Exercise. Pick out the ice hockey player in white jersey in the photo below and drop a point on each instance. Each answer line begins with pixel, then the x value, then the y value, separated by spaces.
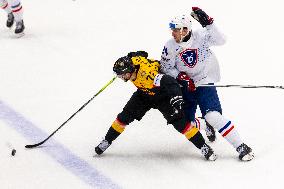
pixel 14 11
pixel 188 58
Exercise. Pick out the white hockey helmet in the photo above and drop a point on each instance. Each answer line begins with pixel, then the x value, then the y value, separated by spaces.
pixel 180 22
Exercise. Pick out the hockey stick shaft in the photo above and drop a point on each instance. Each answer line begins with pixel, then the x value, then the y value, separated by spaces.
pixel 40 143
pixel 245 86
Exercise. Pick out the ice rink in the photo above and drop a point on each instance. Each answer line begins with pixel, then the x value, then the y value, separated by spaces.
pixel 67 56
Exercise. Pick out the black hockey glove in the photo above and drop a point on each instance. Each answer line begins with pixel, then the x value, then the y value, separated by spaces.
pixel 177 104
pixel 199 15
pixel 186 81
pixel 138 53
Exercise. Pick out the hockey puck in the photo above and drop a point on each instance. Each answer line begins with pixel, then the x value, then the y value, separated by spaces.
pixel 13 152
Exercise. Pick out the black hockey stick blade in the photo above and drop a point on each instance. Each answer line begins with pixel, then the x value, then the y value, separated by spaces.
pixel 40 143
pixel 34 145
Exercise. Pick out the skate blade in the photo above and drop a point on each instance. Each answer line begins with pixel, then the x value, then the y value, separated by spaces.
pixel 248 157
pixel 211 139
pixel 19 35
pixel 213 157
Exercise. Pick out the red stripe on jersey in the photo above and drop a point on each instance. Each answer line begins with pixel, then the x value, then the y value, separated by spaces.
pixel 227 132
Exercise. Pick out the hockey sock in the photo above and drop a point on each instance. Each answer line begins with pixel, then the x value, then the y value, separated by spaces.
pixel 17 10
pixel 197 140
pixel 114 131
pixel 224 127
pixel 5 6
pixel 199 124
pixel 193 135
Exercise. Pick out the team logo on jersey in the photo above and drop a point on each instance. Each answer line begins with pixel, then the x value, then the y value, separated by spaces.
pixel 189 57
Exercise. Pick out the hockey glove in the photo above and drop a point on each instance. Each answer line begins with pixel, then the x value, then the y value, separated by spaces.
pixel 185 81
pixel 138 53
pixel 199 15
pixel 177 104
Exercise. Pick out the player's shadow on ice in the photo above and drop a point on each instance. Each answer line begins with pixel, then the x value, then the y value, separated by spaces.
pixel 165 157
pixel 152 156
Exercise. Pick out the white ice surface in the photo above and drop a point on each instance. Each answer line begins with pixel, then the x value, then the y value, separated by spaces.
pixel 67 55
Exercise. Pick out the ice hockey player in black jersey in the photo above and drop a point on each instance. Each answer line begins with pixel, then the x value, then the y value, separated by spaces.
pixel 154 90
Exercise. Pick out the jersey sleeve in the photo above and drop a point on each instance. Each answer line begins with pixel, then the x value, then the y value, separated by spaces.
pixel 213 36
pixel 168 61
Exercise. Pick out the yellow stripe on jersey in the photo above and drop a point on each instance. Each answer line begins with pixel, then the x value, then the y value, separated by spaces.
pixel 189 134
pixel 148 69
pixel 119 127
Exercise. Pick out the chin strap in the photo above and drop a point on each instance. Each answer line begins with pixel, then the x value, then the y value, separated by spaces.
pixel 186 37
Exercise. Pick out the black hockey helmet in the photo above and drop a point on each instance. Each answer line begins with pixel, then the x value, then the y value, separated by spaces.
pixel 123 65
pixel 138 53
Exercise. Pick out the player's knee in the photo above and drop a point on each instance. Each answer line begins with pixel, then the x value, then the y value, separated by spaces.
pixel 179 124
pixel 125 117
pixel 215 119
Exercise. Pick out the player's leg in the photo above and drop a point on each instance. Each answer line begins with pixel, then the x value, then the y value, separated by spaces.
pixel 188 130
pixel 190 112
pixel 134 109
pixel 5 6
pixel 17 10
pixel 210 107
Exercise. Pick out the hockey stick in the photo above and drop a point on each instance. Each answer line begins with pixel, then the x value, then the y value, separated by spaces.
pixel 244 86
pixel 40 143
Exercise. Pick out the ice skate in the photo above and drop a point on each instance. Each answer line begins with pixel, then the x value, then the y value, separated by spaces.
pixel 208 153
pixel 210 132
pixel 10 20
pixel 20 27
pixel 102 147
pixel 245 152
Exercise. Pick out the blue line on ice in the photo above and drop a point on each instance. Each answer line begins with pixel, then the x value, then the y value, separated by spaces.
pixel 58 152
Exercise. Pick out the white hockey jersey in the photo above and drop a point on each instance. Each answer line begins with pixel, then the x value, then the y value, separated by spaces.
pixel 194 56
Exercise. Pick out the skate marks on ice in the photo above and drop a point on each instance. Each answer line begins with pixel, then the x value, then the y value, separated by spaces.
pixel 77 166
pixel 9 33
